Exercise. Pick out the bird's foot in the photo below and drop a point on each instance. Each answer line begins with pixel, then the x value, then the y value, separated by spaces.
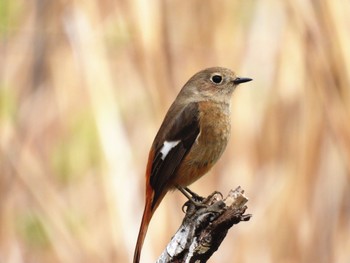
pixel 192 197
pixel 198 201
pixel 213 195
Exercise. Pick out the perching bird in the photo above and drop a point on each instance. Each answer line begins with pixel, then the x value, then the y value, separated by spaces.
pixel 192 137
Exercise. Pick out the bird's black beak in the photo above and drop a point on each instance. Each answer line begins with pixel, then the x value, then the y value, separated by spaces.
pixel 241 80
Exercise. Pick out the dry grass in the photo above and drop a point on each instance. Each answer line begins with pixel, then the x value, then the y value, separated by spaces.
pixel 84 86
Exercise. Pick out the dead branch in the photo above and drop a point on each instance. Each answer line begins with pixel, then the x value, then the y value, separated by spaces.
pixel 205 227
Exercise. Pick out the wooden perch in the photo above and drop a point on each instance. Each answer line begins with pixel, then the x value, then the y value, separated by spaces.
pixel 204 228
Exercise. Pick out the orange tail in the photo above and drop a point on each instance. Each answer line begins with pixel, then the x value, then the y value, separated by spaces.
pixel 146 218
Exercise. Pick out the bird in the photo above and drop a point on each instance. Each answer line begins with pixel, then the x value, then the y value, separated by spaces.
pixel 191 138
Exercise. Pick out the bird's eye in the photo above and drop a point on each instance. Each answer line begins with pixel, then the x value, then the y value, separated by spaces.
pixel 217 79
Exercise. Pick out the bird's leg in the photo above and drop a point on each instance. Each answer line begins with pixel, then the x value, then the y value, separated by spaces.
pixel 198 197
pixel 199 201
pixel 191 196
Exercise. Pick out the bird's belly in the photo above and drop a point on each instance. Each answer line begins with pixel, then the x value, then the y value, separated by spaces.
pixel 207 149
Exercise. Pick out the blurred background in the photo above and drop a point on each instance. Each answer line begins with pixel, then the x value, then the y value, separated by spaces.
pixel 84 86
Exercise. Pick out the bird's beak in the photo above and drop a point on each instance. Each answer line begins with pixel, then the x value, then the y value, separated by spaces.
pixel 241 80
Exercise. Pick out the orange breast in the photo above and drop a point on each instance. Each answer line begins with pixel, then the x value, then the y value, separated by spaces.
pixel 210 144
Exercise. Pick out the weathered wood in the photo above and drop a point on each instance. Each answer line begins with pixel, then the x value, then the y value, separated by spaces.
pixel 205 227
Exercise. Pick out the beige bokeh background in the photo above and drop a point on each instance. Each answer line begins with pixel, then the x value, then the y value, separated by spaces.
pixel 84 86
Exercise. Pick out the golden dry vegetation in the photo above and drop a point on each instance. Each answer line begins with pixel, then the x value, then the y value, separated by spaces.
pixel 84 86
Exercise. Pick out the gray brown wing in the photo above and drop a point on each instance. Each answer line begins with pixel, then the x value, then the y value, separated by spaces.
pixel 184 130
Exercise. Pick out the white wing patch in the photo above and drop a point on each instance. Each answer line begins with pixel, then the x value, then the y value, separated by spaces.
pixel 167 146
